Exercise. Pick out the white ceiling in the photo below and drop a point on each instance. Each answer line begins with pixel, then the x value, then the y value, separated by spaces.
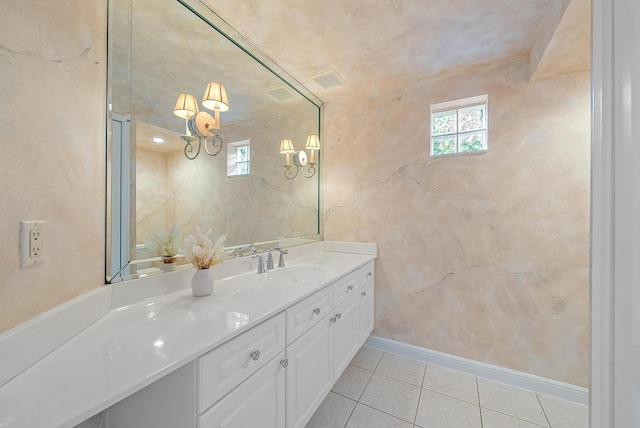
pixel 375 43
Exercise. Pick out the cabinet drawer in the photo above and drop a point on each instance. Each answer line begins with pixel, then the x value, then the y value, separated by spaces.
pixel 222 369
pixel 366 273
pixel 345 288
pixel 258 402
pixel 306 313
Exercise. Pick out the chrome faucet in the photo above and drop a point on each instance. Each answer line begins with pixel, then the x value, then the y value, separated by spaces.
pixel 280 261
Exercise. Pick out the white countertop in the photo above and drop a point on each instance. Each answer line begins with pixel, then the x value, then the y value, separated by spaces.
pixel 131 347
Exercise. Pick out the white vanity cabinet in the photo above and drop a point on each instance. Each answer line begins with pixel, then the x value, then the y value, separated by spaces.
pixel 366 293
pixel 321 342
pixel 274 375
pixel 310 374
pixel 346 333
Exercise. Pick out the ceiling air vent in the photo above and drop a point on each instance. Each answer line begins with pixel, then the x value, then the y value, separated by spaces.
pixel 329 79
pixel 281 93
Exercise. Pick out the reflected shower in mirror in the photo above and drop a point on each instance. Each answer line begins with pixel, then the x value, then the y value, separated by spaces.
pixel 160 52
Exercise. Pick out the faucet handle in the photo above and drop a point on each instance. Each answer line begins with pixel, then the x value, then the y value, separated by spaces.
pixel 281 259
pixel 260 262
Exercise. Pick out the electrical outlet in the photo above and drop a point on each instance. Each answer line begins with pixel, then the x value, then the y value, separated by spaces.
pixel 32 249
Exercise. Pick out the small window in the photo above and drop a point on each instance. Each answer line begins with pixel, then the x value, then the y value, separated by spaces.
pixel 239 158
pixel 459 126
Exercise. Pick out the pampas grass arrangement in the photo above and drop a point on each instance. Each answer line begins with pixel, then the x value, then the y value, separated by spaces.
pixel 201 251
pixel 165 244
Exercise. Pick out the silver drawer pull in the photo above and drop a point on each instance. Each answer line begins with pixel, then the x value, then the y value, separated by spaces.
pixel 284 363
pixel 316 311
pixel 369 274
pixel 255 355
pixel 364 293
pixel 349 288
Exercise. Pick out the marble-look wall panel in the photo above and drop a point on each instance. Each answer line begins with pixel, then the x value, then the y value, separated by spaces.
pixel 52 168
pixel 482 256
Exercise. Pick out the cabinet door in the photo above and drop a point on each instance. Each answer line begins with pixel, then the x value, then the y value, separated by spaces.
pixel 258 402
pixel 366 311
pixel 346 334
pixel 309 373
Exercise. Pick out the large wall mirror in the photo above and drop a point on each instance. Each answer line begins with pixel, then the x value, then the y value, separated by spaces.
pixel 159 49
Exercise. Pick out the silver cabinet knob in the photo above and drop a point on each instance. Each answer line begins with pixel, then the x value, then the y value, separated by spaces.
pixel 364 293
pixel 349 288
pixel 339 315
pixel 316 311
pixel 369 274
pixel 255 355
pixel 333 319
pixel 284 363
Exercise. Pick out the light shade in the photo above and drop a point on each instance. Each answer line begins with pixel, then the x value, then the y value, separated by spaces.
pixel 313 142
pixel 286 146
pixel 215 97
pixel 186 106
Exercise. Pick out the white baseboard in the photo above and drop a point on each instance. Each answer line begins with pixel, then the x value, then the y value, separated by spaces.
pixel 539 384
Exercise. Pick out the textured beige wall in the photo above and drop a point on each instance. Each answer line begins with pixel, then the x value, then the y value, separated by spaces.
pixel 481 256
pixel 52 168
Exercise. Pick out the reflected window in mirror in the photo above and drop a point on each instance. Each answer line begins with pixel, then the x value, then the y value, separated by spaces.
pixel 239 158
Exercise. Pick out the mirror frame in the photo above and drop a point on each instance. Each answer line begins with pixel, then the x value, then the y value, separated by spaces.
pixel 119 234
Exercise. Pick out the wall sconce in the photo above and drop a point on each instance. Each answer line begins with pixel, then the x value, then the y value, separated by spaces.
pixel 299 159
pixel 200 125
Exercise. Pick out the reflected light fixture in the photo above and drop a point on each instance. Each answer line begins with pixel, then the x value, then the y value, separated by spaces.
pixel 299 159
pixel 200 126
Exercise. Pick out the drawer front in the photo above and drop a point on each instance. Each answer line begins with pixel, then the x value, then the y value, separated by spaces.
pixel 224 368
pixel 306 313
pixel 366 273
pixel 258 402
pixel 345 288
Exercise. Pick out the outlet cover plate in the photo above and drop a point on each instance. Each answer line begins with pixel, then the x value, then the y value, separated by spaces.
pixel 32 241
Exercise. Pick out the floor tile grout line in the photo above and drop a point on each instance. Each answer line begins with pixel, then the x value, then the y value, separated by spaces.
pixel 424 374
pixel 516 417
pixel 544 412
pixel 365 387
pixel 415 416
pixel 350 414
pixel 386 413
pixel 399 380
pixel 451 396
pixel 479 404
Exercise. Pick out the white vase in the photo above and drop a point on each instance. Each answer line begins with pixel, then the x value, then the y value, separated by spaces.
pixel 202 282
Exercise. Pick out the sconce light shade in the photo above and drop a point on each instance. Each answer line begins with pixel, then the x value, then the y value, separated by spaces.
pixel 313 142
pixel 286 146
pixel 215 97
pixel 186 106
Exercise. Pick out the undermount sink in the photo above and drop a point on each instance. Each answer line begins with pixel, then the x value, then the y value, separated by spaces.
pixel 295 274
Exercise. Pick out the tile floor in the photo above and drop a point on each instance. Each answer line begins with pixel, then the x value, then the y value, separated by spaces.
pixel 384 390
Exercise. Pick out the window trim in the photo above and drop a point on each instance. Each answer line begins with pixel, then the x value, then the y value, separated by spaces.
pixel 231 157
pixel 458 105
